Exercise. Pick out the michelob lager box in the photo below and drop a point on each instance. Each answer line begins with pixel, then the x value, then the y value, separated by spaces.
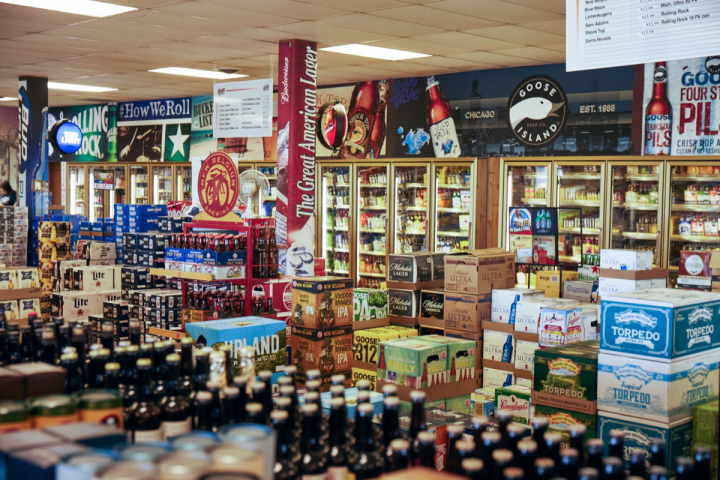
pixel 560 325
pixel 322 302
pixel 504 303
pixel 566 377
pixel 560 421
pixel 640 432
pixel 412 362
pixel 432 304
pixel 652 390
pixel 328 350
pixel 499 346
pixel 369 304
pixel 460 357
pixel 663 324
pixel 410 267
pixel 404 303
pixel 28 278
pixel 626 259
pixel 267 337
pixel 515 399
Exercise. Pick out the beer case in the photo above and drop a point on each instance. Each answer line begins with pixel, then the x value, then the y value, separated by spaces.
pixel 366 342
pixel 517 400
pixel 108 296
pixel 27 305
pixel 11 309
pixel 499 347
pixel 477 338
pixel 74 304
pixel 626 259
pixel 466 312
pixel 135 276
pixel 402 330
pixel 404 303
pixel 567 377
pixel 322 302
pixel 99 251
pixel 138 211
pixel 560 421
pixel 328 350
pixel 164 299
pixel 478 272
pixel 459 404
pixel 410 267
pixel 369 304
pixel 432 304
pixel 524 354
pixel 28 278
pixel 412 362
pixel 95 279
pixel 8 280
pixel 482 402
pixel 360 374
pixel 560 325
pixel 130 241
pixel 460 356
pixel 504 303
pixel 705 423
pixel 116 310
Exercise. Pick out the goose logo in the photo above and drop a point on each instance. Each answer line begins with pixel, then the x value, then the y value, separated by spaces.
pixel 660 75
pixel 537 110
pixel 712 64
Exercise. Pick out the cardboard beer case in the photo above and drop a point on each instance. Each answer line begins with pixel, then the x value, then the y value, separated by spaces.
pixel 566 377
pixel 504 302
pixel 478 272
pixel 369 304
pixel 328 350
pixel 560 421
pixel 466 312
pixel 322 302
pixel 460 356
pixel 412 362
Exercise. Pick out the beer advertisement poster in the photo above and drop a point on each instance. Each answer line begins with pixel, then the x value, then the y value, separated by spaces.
pixel 520 221
pixel 93 121
pixel 680 107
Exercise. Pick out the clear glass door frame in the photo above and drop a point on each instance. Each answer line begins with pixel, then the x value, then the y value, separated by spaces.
pixel 355 215
pixel 393 192
pixel 321 219
pixel 557 164
pixel 70 193
pixel 473 202
pixel 178 179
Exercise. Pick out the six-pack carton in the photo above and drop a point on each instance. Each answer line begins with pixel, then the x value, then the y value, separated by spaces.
pixel 504 303
pixel 322 302
pixel 566 377
pixel 328 350
pixel 560 325
pixel 516 399
pixel 460 357
pixel 369 304
pixel 412 362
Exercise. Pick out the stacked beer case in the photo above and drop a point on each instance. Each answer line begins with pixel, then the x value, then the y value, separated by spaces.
pixel 410 274
pixel 624 271
pixel 134 219
pixel 705 431
pixel 321 327
pixel 659 358
pixel 53 246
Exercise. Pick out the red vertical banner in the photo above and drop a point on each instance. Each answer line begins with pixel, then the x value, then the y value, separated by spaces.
pixel 297 105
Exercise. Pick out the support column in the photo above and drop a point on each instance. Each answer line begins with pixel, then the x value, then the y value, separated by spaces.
pixel 32 153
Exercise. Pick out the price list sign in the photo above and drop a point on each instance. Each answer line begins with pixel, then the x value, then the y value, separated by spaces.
pixel 609 33
pixel 243 109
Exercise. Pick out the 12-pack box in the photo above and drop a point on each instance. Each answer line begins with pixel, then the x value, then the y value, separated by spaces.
pixel 322 302
pixel 410 267
pixel 466 312
pixel 412 362
pixel 478 272
pixel 499 347
pixel 560 421
pixel 432 305
pixel 566 377
pixel 626 259
pixel 560 325
pixel 460 357
pixel 404 303
pixel 328 350
pixel 504 302
pixel 517 400
pixel 366 342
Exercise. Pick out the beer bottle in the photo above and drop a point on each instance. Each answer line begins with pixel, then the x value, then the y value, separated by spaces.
pixel 273 255
pixel 503 417
pixel 595 448
pixel 398 456
pixel 472 468
pixel 4 354
pixel 27 354
pixel 502 459
pixel 616 444
pixel 187 368
pixel 256 413
pixel 389 390
pixel 77 340
pixel 290 393
pixel 134 331
pixel 291 371
pixel 479 427
pixel 613 469
pixel 417 415
pixel 515 433
pixel 287 455
pixel 159 362
pixel 368 463
pixel 391 420
pixel 363 385
pixel 544 468
pixel 285 404
pixel 265 376
pixel 313 385
pixel 112 376
pixel 442 125
pixel 377 135
pixel 657 452
pixel 569 463
pixel 63 337
pixel 73 373
pixel 3 320
pixel 49 352
pixel 540 426
pixel 526 455
pixel 361 118
pixel 464 450
pixel 490 443
pixel 513 473
pixel 637 463
pixel 132 355
pixel 657 472
pixel 216 411
pixel 552 446
pixel 258 395
pixel 658 115
pixel 577 439
pixel 229 373
pixel 107 337
pixel 702 457
pixel 336 391
pixel 146 351
pixel 589 473
pixel 145 417
pixel 13 350
pixel 424 455
pixel 340 445
pixel 121 359
pixel 454 434
pixel 313 449
pixel 202 420
pixel 202 369
pixel 242 399
pixel 175 416
pixel 230 405
pixel 313 374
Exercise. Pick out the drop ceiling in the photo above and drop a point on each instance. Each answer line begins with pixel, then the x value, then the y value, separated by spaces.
pixel 118 51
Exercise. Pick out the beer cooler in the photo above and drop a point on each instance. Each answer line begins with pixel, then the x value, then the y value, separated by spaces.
pixel 373 208
pixel 454 206
pixel 162 183
pixel 412 208
pixel 183 182
pixel 106 187
pixel 335 199
pixel 76 193
pixel 139 184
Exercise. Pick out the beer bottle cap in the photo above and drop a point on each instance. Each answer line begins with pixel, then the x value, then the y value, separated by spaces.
pixel 504 416
pixel 502 456
pixel 254 408
pixel 540 421
pixel 552 437
pixel 133 349
pixel 335 390
pixel 112 366
pixel 544 463
pixel 337 403
pixel 465 446
pixel 313 374
pixel 389 390
pixel 231 392
pixel 391 402
pixel 213 385
pixel 265 375
pixel 490 437
pixel 240 382
pixel 426 437
pixel 338 379
pixel 145 363
pixel 66 357
pixel 201 396
pixel 311 397
pixel 278 415
pixel 417 395
pixel 283 403
pixel 472 465
pixel 363 385
pixel 186 340
pixel 159 345
pixel 527 445
pixel 514 473
pixel 577 430
pixel 455 430
pixel 202 353
pixel 257 386
pixel 307 409
pixel 589 473
pixel 287 391
pixel 173 358
pixel 290 370
pixel 399 445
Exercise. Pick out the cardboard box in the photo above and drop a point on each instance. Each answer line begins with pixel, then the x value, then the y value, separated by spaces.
pixel 459 403
pixel 460 356
pixel 499 347
pixel 560 421
pixel 525 354
pixel 95 279
pixel 626 259
pixel 412 362
pixel 360 374
pixel 496 378
pixel 478 272
pixel 640 432
pixel 466 312
pixel 482 402
pixel 369 304
pixel 322 302
pixel 75 304
pixel 661 323
pixel 328 350
pixel 652 390
pixel 27 305
pixel 432 305
pixel 579 290
pixel 366 345
pixel 705 423
pixel 552 281
pixel 28 278
pixel 410 267
pixel 515 399
pixel 476 337
pixel 695 271
pixel 590 321
pixel 566 378
pixel 504 303
pixel 404 303
pixel 560 325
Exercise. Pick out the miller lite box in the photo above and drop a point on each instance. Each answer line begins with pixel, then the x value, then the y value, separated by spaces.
pixel 99 251
pixel 322 302
pixel 404 303
pixel 10 307
pixel 410 267
pixel 74 304
pixel 27 305
pixel 94 279
pixel 662 323
pixel 108 296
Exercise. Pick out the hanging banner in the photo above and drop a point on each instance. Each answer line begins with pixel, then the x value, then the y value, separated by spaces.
pixel 168 109
pixel 33 99
pixel 93 121
pixel 297 106
pixel 680 107
pixel 243 109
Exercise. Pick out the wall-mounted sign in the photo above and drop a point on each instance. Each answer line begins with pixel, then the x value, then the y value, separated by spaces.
pixel 170 108
pixel 243 109
pixel 66 137
pixel 537 110
pixel 332 125
pixel 103 179
pixel 218 185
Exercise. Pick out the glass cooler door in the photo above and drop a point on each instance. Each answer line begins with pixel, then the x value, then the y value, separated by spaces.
pixel 139 186
pixel 270 171
pixel 454 202
pixel 412 197
pixel 636 207
pixel 335 194
pixel 76 190
pixel 527 184
pixel 372 224
pixel 162 184
pixel 97 193
pixel 183 182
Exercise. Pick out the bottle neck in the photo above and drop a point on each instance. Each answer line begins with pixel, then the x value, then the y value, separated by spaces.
pixel 434 93
pixel 171 379
pixel 391 425
pixel 311 433
pixel 364 433
pixel 659 91
pixel 144 393
pixel 338 424
pixel 417 420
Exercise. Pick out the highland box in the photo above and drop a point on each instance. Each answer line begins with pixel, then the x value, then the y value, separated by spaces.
pixel 478 272
pixel 322 302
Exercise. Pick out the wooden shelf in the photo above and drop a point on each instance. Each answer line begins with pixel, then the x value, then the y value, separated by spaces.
pixel 203 277
pixel 637 178
pixel 695 178
pixel 579 203
pixel 452 234
pixel 375 254
pixel 372 185
pixel 535 201
pixel 458 186
pixel 375 207
pixel 578 230
pixel 376 275
pixel 160 332
pixel 416 209
pixel 453 210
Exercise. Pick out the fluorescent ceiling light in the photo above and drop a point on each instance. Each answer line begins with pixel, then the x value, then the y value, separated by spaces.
pixel 90 8
pixel 362 50
pixel 7 99
pixel 192 72
pixel 79 88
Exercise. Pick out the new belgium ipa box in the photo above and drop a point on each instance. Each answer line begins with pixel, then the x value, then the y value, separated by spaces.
pixel 322 302
pixel 412 362
pixel 328 350
pixel 566 377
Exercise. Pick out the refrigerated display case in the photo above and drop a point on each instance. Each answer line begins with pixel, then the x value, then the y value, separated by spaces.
pixel 162 184
pixel 528 184
pixel 183 182
pixel 139 184
pixel 76 193
pixel 412 202
pixel 99 182
pixel 335 212
pixel 454 207
pixel 372 214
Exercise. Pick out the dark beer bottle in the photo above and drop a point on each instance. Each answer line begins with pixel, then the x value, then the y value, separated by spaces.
pixel 569 463
pixel 291 371
pixel 398 455
pixel 336 391
pixel 424 454
pixel 544 468
pixel 637 463
pixel 313 449
pixel 363 385
pixel 616 444
pixel 265 376
pixel 540 426
pixel 202 369
pixel 229 372
pixel 49 347
pixel 287 455
pixel 27 353
pixel 13 350
pixel 526 456
pixel 216 411
pixel 391 420
pixel 464 450
pixel 472 468
pixel 134 331
pixel 589 473
pixel 63 337
pixel 121 359
pixel 340 445
pixel 515 433
pixel 3 347
pixel 256 413
pixel 112 376
pixel 273 255
pixel 231 405
pixel 146 351
pixel 417 416
pixel 145 418
pixel 242 399
pixel 175 417
pixel 513 473
pixel 684 469
pixel 657 472
pixel 657 452
pixel 490 442
pixel 577 439
pixel 702 457
pixel 502 459
pixel 202 419
pixel 107 337
pixel 479 425
pixel 186 381
pixel 389 390
pixel 285 404
pixel 613 469
pixel 595 448
pixel 454 435
pixel 504 418
pixel 73 373
pixel 77 340
pixel 552 446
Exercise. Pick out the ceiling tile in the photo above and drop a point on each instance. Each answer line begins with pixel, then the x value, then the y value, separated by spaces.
pixel 104 36
pixel 534 53
pixel 379 24
pixel 241 19
pixel 5 33
pixel 56 51
pixel 140 29
pixel 261 34
pixel 342 59
pixel 448 62
pixel 464 40
pixel 29 55
pixel 434 18
pixel 354 5
pixel 557 6
pixel 497 59
pixel 24 25
pixel 551 26
pixel 184 21
pixel 145 3
pixel 518 34
pixel 496 10
pixel 322 32
pixel 39 15
pixel 243 46
pixel 415 45
pixel 288 8
pixel 72 43
pixel 558 48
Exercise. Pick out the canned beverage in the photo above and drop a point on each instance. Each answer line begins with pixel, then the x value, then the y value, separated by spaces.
pixel 53 410
pixel 195 442
pixel 101 406
pixel 14 417
pixel 234 459
pixel 83 466
pixel 181 466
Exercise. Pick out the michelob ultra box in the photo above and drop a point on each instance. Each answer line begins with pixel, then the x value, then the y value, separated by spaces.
pixel 504 303
pixel 369 304
pixel 524 354
pixel 659 391
pixel 496 378
pixel 640 432
pixel 560 421
pixel 663 323
pixel 460 357
pixel 626 259
pixel 322 302
pixel 499 346
pixel 515 399
pixel 412 362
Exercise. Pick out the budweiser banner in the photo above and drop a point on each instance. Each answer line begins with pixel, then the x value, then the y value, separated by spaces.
pixel 297 100
pixel 680 107
pixel 32 164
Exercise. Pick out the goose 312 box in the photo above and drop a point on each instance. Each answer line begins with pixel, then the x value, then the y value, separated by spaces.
pixel 322 302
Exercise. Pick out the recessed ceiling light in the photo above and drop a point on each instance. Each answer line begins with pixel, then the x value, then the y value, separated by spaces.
pixel 192 72
pixel 7 99
pixel 362 50
pixel 90 8
pixel 79 88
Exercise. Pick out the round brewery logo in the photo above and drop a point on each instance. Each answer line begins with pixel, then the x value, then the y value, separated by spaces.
pixel 537 110
pixel 660 74
pixel 712 64
pixel 218 184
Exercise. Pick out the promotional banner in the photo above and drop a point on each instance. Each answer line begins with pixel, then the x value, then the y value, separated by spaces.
pixel 32 164
pixel 297 106
pixel 148 110
pixel 177 142
pixel 94 121
pixel 680 107
pixel 243 109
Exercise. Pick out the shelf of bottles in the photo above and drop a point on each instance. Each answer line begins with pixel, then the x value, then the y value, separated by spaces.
pixel 162 184
pixel 580 185
pixel 335 220
pixel 96 196
pixel 411 209
pixel 118 194
pixel 454 199
pixel 372 225
pixel 528 185
pixel 695 211
pixel 76 191
pixel 139 186
pixel 270 195
pixel 635 209
pixel 184 186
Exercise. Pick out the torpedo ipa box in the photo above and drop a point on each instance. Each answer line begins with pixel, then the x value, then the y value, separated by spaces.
pixel 626 259
pixel 369 304
pixel 504 303
pixel 560 421
pixel 652 390
pixel 640 432
pixel 499 347
pixel 566 377
pixel 460 357
pixel 515 399
pixel 412 362
pixel 404 303
pixel 560 325
pixel 328 350
pixel 478 272
pixel 663 324
pixel 410 267
pixel 267 338
pixel 432 304
pixel 322 302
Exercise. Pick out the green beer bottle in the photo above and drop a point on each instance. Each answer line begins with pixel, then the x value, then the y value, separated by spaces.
pixel 112 132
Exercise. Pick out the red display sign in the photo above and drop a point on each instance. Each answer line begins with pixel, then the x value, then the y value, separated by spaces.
pixel 218 185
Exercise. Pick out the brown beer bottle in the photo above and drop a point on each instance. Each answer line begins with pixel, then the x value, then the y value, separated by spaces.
pixel 377 137
pixel 361 118
pixel 273 255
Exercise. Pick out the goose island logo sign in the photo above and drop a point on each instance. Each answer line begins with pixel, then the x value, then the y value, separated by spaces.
pixel 537 110
pixel 218 185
